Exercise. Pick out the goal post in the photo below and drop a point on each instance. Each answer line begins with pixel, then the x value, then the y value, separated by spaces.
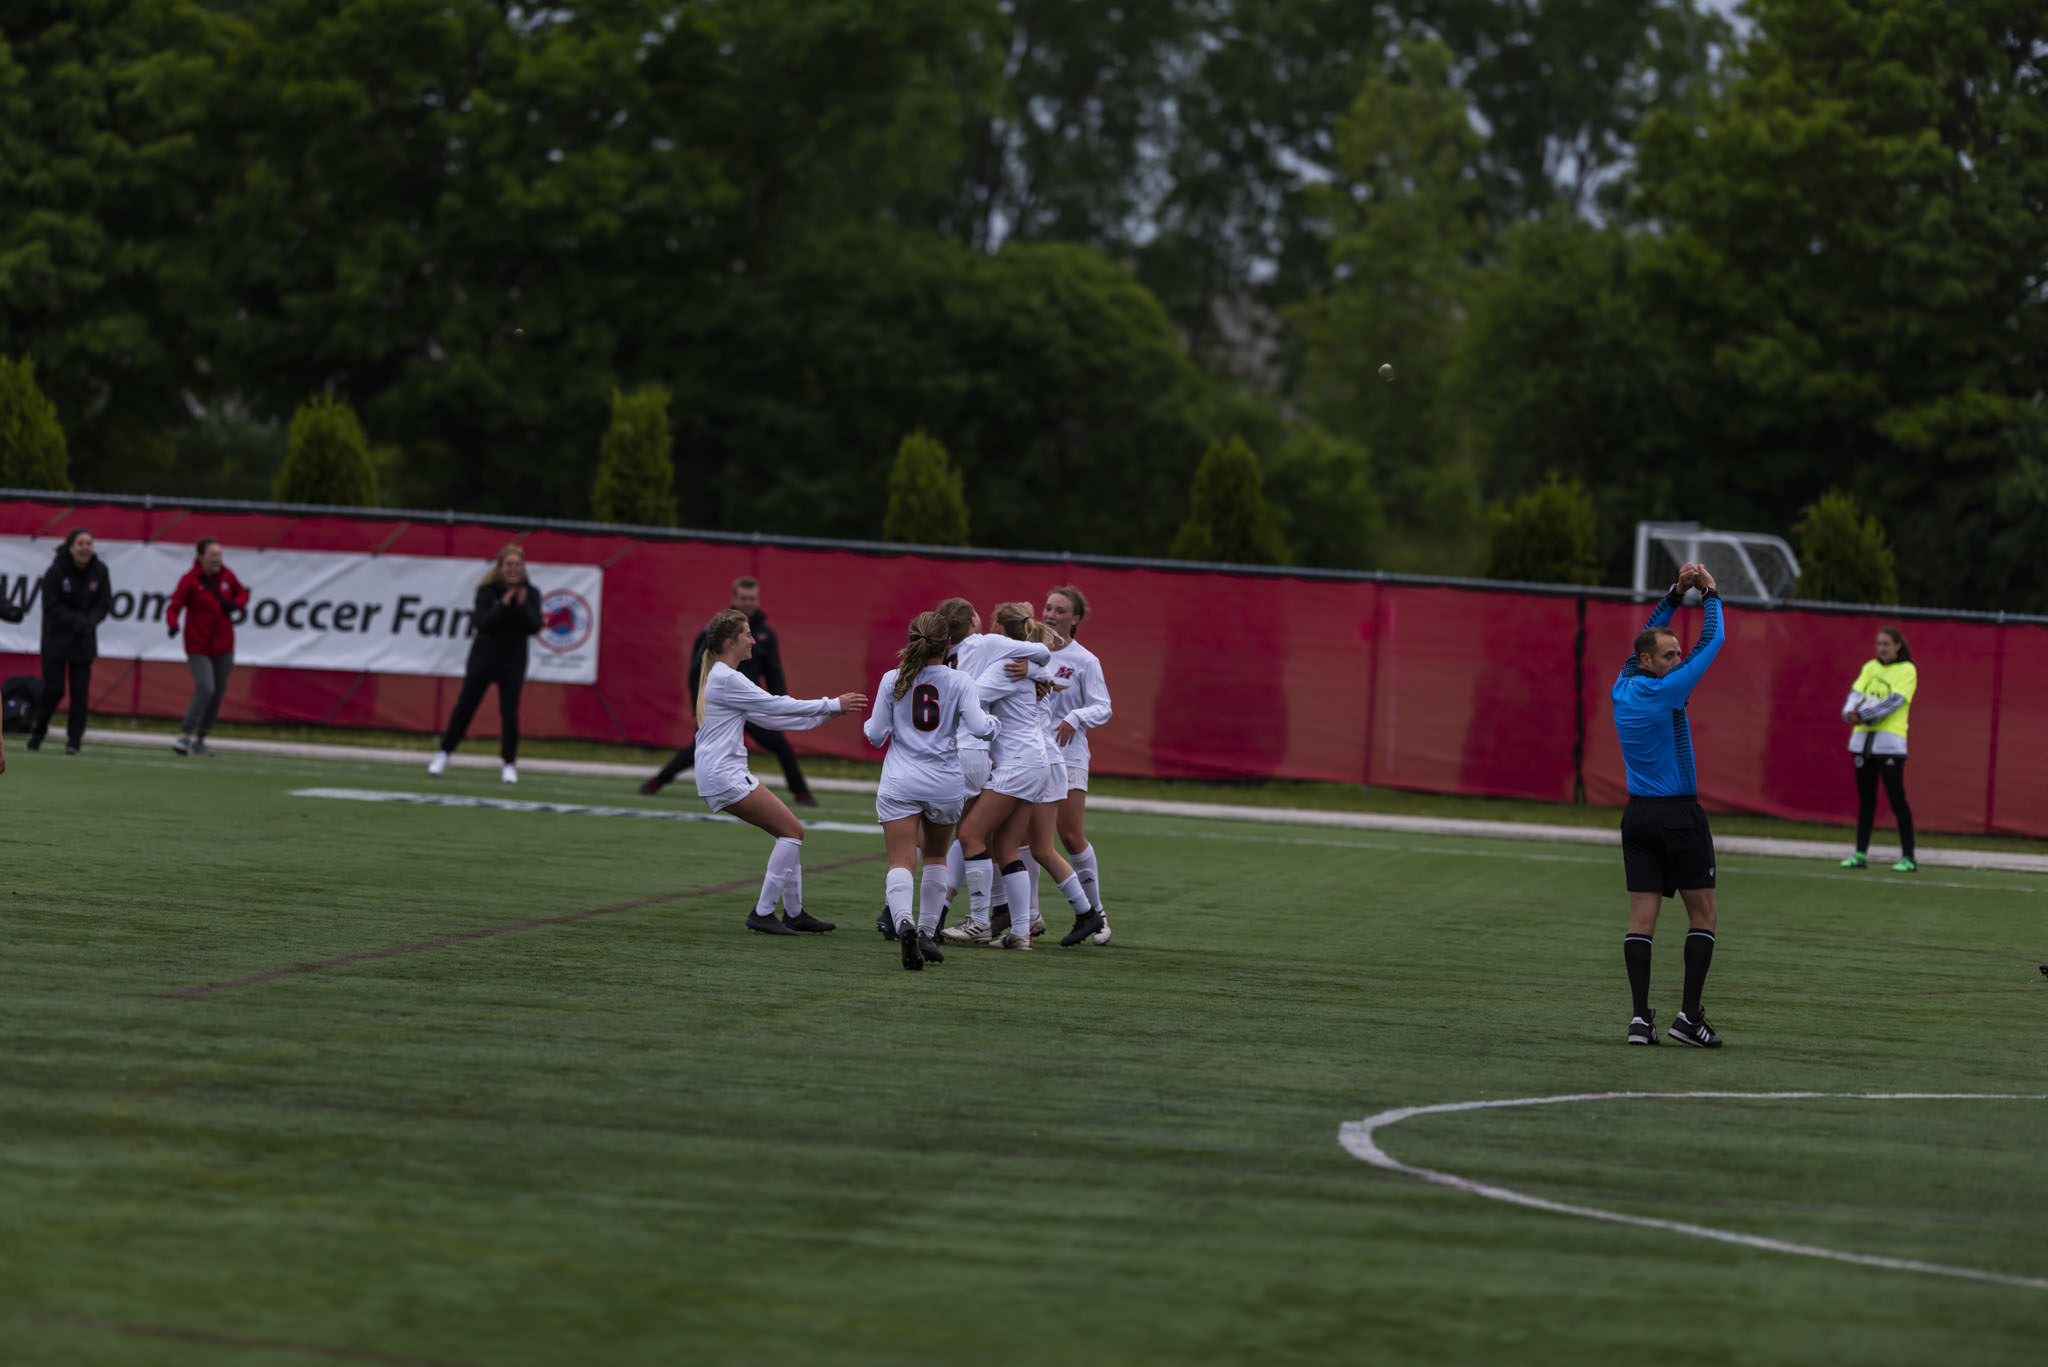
pixel 1748 566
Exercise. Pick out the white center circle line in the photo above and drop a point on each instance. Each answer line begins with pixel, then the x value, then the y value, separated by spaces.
pixel 1357 1138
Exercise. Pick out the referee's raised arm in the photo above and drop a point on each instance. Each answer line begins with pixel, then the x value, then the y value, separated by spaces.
pixel 1666 846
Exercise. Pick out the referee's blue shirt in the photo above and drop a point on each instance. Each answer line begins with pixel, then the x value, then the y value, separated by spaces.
pixel 1649 712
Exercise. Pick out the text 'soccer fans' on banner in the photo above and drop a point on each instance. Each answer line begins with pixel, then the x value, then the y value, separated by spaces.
pixel 385 614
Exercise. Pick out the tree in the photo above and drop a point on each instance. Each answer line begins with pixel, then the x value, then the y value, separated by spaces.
pixel 1229 522
pixel 1843 555
pixel 636 472
pixel 1325 503
pixel 32 451
pixel 926 506
pixel 328 458
pixel 1547 536
pixel 1851 236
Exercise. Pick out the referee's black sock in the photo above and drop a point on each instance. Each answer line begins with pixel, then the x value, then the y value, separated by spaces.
pixel 1699 952
pixel 1635 952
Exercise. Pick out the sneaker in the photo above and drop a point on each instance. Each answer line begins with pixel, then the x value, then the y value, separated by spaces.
pixel 767 924
pixel 1010 941
pixel 1643 1029
pixel 182 745
pixel 509 774
pixel 1858 860
pixel 913 952
pixel 804 921
pixel 1037 926
pixel 1696 1032
pixel 1101 937
pixel 202 749
pixel 650 787
pixel 70 748
pixel 929 947
pixel 438 765
pixel 1906 866
pixel 1085 928
pixel 35 742
pixel 966 933
pixel 803 799
pixel 884 925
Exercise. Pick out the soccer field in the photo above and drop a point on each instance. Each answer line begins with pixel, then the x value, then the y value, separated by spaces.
pixel 549 1103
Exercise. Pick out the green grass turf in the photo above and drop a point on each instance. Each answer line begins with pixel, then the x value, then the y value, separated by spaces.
pixel 646 1136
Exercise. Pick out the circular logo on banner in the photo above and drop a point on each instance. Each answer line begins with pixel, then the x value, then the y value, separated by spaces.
pixel 566 621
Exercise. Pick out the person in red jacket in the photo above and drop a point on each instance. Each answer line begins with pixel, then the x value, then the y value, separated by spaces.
pixel 206 597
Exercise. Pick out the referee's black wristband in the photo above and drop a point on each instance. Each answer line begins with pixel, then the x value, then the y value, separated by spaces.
pixel 1710 593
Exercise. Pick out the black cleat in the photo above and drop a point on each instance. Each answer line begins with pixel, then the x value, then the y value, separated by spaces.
pixel 928 946
pixel 1084 927
pixel 804 921
pixel 884 926
pixel 913 956
pixel 1694 1031
pixel 1643 1029
pixel 650 787
pixel 803 799
pixel 767 924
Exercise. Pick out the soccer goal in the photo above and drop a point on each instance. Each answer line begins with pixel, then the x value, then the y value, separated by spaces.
pixel 1751 566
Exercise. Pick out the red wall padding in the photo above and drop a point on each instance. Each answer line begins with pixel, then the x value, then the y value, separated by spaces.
pixel 1213 675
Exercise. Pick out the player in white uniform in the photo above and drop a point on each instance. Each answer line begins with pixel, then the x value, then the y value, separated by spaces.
pixel 921 706
pixel 726 701
pixel 1083 706
pixel 1025 773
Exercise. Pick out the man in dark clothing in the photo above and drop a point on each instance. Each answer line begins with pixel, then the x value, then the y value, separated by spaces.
pixel 764 668
pixel 77 596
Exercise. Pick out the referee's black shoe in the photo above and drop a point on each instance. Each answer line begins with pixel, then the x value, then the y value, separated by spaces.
pixel 767 924
pixel 913 955
pixel 1694 1030
pixel 1084 927
pixel 803 920
pixel 929 947
pixel 884 925
pixel 1643 1029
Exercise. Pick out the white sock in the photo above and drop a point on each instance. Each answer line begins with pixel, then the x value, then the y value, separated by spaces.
pixel 785 878
pixel 956 870
pixel 931 898
pixel 1076 896
pixel 1084 869
pixel 980 873
pixel 1020 896
pixel 898 886
pixel 1031 867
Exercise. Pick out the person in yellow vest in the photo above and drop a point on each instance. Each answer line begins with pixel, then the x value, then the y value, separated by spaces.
pixel 1877 707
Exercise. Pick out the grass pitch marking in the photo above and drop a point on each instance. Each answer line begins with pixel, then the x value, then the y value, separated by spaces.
pixel 507 804
pixel 1357 1138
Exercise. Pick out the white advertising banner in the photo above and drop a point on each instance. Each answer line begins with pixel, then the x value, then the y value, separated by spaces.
pixel 385 614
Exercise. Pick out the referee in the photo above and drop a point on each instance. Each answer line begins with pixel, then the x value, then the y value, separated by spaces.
pixel 1665 844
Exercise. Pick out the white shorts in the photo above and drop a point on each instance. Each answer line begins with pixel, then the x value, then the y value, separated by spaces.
pixel 889 808
pixel 974 769
pixel 1039 782
pixel 1077 772
pixel 718 802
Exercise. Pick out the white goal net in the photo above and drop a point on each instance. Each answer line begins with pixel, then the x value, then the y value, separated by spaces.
pixel 1746 565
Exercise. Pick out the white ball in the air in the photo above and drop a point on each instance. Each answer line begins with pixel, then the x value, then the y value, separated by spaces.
pixel 1386 372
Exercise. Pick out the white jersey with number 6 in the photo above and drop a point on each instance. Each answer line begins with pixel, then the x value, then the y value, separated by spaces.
pixel 922 728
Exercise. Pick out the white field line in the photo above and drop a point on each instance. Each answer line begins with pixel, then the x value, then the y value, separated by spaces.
pixel 507 804
pixel 1357 1137
pixel 1211 811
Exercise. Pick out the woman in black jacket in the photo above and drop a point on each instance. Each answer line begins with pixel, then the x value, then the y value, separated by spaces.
pixel 76 599
pixel 507 613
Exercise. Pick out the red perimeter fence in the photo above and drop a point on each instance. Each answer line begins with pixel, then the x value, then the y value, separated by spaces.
pixel 1214 674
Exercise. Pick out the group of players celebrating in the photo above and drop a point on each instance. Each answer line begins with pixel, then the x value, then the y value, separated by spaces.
pixel 987 762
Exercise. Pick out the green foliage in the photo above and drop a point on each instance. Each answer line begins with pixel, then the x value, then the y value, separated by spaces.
pixel 32 450
pixel 1229 522
pixel 1843 555
pixel 327 460
pixel 1546 536
pixel 926 506
pixel 636 472
pixel 1325 503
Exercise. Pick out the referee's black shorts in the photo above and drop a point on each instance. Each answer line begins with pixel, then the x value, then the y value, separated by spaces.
pixel 1665 845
